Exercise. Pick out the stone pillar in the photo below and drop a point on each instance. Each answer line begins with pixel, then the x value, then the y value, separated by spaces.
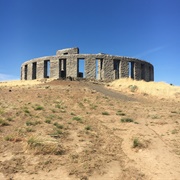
pixel 137 70
pixel 29 72
pixel 108 68
pixel 54 68
pixel 22 72
pixel 124 68
pixel 152 73
pixel 40 70
pixel 146 78
pixel 71 65
pixel 90 67
pixel 142 71
pixel 100 69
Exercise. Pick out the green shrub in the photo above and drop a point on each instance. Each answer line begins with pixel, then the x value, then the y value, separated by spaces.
pixel 4 123
pixel 126 120
pixel 38 108
pixel 88 128
pixel 32 123
pixel 28 129
pixel 48 121
pixel 120 113
pixel 77 118
pixel 136 143
pixel 105 113
pixel 26 110
pixel 8 138
pixel 133 88
pixel 9 119
pixel 56 133
pixel 59 126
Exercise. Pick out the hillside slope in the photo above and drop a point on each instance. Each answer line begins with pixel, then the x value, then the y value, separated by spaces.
pixel 79 130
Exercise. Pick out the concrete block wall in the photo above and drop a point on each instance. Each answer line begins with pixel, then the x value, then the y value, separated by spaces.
pixel 71 64
pixel 29 71
pixel 108 68
pixel 90 67
pixel 67 51
pixel 54 68
pixel 124 68
pixel 65 64
pixel 40 70
pixel 137 70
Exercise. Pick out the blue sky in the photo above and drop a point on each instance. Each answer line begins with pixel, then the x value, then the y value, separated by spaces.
pixel 145 29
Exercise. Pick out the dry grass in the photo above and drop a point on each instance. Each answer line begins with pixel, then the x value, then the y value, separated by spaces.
pixel 41 145
pixel 159 89
pixel 23 83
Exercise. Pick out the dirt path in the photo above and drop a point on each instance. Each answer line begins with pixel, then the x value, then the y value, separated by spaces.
pixel 111 93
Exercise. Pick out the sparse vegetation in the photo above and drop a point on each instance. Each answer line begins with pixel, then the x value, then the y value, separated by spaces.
pixel 123 120
pixel 29 129
pixel 93 106
pixel 105 113
pixel 175 112
pixel 88 128
pixel 38 108
pixel 48 121
pixel 154 117
pixel 9 119
pixel 77 118
pixel 89 141
pixel 120 113
pixel 59 126
pixel 136 143
pixel 32 123
pixel 8 138
pixel 56 133
pixel 4 123
pixel 26 110
pixel 174 131
pixel 133 88
pixel 42 146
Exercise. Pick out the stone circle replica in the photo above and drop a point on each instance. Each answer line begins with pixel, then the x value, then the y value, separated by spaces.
pixel 100 66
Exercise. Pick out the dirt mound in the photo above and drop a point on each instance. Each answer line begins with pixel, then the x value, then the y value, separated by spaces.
pixel 158 89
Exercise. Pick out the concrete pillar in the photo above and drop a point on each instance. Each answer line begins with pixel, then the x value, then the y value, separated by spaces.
pixel 108 68
pixel 40 70
pixel 146 78
pixel 142 71
pixel 90 67
pixel 22 72
pixel 54 68
pixel 71 64
pixel 124 68
pixel 152 73
pixel 29 72
pixel 137 70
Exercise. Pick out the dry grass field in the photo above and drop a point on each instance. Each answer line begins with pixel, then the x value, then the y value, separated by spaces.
pixel 71 130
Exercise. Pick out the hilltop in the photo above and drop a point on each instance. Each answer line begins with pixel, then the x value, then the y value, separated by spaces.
pixel 59 129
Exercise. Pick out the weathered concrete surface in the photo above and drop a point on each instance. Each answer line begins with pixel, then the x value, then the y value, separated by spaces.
pixel 97 66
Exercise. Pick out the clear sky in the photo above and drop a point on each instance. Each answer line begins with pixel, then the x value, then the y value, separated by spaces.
pixel 144 29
